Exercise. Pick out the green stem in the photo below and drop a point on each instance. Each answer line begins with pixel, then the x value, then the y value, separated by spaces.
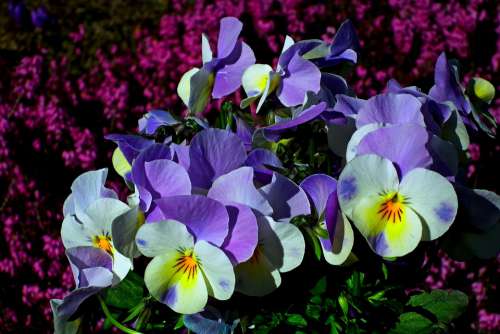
pixel 115 322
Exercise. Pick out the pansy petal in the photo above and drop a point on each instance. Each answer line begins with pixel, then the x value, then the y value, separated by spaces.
pixel 237 187
pixel 365 176
pixel 75 298
pixel 121 266
pixel 184 87
pixel 243 233
pixel 124 229
pixel 228 78
pixel 120 163
pixel 302 77
pixel 208 154
pixel 287 199
pixel 339 136
pixel 62 325
pixel 165 236
pixel 130 145
pixel 154 119
pixel 319 187
pixel 387 237
pixel 87 188
pixel 101 213
pixel 217 269
pixel 305 116
pixel 433 198
pixel 338 251
pixel 257 277
pixel 200 85
pixel 396 144
pixel 82 258
pixel 206 218
pixel 255 79
pixel 176 283
pixel 206 52
pixel 73 233
pixel 230 29
pixel 352 145
pixel 167 178
pixel 391 109
pixel 282 243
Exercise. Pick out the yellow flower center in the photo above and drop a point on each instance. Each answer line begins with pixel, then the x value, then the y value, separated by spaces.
pixel 392 208
pixel 187 263
pixel 103 242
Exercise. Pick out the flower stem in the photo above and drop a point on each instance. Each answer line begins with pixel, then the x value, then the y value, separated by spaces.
pixel 115 322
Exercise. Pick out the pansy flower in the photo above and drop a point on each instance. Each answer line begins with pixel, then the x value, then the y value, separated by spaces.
pixel 89 214
pixel 187 266
pixel 395 215
pixel 293 78
pixel 92 271
pixel 221 75
pixel 281 245
pixel 338 240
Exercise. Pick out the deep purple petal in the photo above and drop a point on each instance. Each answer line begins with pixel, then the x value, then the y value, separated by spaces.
pixel 405 145
pixel 287 199
pixel 348 105
pixel 305 116
pixel 447 87
pixel 301 76
pixel 259 159
pixel 391 109
pixel 206 218
pixel 319 187
pixel 238 187
pixel 76 297
pixel 228 77
pixel 243 233
pixel 130 145
pixel 213 153
pixel 245 132
pixel 331 216
pixel 154 119
pixel 230 28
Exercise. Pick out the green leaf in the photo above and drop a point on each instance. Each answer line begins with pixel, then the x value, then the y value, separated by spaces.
pixel 180 323
pixel 344 305
pixel 445 305
pixel 412 322
pixel 313 311
pixel 320 287
pixel 314 242
pixel 316 300
pixel 127 294
pixel 296 320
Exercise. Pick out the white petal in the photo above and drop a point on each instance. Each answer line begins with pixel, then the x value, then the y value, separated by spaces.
pixel 365 176
pixel 356 138
pixel 217 269
pixel 74 234
pixel 206 52
pixel 433 198
pixel 184 87
pixel 282 243
pixel 255 79
pixel 342 242
pixel 157 238
pixel 257 277
pixel 100 215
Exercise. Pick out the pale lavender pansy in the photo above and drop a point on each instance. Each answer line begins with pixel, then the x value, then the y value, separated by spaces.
pixel 154 119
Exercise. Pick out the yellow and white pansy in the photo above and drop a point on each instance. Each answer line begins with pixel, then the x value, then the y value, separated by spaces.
pixel 183 272
pixel 395 216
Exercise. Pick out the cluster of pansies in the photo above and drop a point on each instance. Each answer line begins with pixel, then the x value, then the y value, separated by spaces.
pixel 215 210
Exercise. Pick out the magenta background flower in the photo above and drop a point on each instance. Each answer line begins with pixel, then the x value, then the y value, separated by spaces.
pixel 57 103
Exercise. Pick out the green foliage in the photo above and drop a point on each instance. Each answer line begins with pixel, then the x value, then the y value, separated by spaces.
pixel 431 312
pixel 127 294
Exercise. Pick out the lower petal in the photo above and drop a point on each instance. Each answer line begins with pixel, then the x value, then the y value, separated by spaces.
pixel 179 285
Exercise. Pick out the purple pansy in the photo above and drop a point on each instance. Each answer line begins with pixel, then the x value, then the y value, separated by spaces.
pixel 321 190
pixel 221 75
pixel 155 119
